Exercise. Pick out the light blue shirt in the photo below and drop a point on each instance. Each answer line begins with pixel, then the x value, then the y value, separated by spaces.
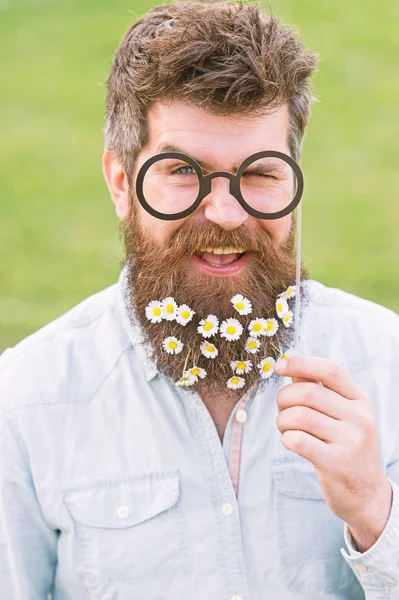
pixel 114 484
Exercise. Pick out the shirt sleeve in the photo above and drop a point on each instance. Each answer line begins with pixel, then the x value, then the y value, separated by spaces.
pixel 27 543
pixel 377 569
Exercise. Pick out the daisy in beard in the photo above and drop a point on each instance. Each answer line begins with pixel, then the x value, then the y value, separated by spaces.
pixel 270 327
pixel 241 367
pixel 172 345
pixel 169 309
pixel 266 367
pixel 257 327
pixel 185 381
pixel 252 345
pixel 281 307
pixel 209 326
pixel 184 314
pixel 235 383
pixel 242 305
pixel 288 318
pixel 153 311
pixel 196 373
pixel 209 350
pixel 231 329
pixel 290 292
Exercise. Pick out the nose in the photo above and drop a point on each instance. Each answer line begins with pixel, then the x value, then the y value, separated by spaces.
pixel 221 207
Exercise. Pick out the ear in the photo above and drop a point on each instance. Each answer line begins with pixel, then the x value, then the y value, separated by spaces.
pixel 117 183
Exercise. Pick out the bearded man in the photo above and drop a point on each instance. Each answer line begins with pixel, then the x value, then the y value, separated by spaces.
pixel 159 441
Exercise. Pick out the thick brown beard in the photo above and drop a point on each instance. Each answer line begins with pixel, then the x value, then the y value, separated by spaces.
pixel 157 271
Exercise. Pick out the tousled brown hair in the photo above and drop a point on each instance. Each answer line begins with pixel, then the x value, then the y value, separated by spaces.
pixel 229 58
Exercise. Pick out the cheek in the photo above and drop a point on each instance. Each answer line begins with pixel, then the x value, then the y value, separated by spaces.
pixel 157 229
pixel 278 229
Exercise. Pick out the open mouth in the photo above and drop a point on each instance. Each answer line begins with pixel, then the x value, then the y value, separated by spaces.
pixel 221 261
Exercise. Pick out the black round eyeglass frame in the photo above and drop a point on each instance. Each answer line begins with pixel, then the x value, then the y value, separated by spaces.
pixel 205 182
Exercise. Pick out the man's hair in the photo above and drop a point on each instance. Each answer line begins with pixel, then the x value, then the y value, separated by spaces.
pixel 228 58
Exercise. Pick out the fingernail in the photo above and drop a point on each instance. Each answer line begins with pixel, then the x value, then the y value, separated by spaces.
pixel 281 365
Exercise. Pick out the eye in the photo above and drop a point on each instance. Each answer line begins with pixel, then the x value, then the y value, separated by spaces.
pixel 184 170
pixel 257 174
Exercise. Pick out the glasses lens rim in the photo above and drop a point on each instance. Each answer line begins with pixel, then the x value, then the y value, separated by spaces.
pixel 140 183
pixel 294 202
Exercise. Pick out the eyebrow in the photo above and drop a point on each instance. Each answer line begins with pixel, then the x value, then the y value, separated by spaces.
pixel 172 148
pixel 262 167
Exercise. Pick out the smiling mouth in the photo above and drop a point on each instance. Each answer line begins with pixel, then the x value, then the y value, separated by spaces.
pixel 221 257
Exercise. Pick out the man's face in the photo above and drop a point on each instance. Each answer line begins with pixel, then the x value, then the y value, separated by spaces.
pixel 216 252
pixel 221 143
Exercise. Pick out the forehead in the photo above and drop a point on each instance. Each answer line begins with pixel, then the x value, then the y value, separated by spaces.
pixel 213 137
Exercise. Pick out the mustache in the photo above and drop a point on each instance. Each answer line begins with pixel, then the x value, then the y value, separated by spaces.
pixel 191 239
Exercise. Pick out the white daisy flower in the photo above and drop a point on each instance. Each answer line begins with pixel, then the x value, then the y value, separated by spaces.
pixel 288 318
pixel 153 311
pixel 252 345
pixel 196 373
pixel 270 327
pixel 266 367
pixel 185 381
pixel 172 345
pixel 235 383
pixel 290 292
pixel 209 326
pixel 169 309
pixel 281 307
pixel 241 366
pixel 241 304
pixel 209 350
pixel 231 329
pixel 257 327
pixel 184 314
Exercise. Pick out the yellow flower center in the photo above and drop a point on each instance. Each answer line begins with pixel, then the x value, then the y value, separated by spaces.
pixel 257 327
pixel 170 308
pixel 268 326
pixel 194 372
pixel 240 305
pixel 252 344
pixel 284 356
pixel 235 380
pixel 279 307
pixel 286 318
pixel 266 367
pixel 185 314
pixel 241 365
pixel 210 348
pixel 208 326
pixel 172 345
pixel 231 329
pixel 157 312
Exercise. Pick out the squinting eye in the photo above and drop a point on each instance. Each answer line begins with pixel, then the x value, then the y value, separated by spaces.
pixel 254 174
pixel 184 170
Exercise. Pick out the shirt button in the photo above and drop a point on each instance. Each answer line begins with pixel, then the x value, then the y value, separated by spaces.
pixel 227 508
pixel 241 416
pixel 123 512
pixel 361 568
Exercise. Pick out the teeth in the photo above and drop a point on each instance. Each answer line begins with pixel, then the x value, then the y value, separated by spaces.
pixel 224 250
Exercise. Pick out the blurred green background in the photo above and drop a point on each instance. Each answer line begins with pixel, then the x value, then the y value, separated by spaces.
pixel 58 234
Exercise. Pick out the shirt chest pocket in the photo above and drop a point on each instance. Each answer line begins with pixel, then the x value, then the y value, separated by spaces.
pixel 310 535
pixel 129 528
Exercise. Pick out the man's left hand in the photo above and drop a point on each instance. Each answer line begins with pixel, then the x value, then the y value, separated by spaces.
pixel 326 418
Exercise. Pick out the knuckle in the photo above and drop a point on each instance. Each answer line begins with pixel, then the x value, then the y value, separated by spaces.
pixel 333 370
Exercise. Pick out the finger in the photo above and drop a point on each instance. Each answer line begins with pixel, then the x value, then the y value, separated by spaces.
pixel 322 370
pixel 314 395
pixel 306 445
pixel 310 421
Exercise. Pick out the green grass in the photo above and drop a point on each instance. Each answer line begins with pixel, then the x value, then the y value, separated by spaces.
pixel 58 233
